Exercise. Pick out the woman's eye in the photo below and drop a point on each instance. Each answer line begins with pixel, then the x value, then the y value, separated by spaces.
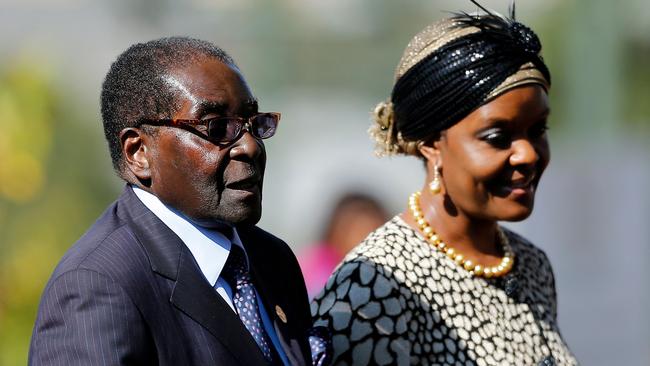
pixel 538 130
pixel 498 139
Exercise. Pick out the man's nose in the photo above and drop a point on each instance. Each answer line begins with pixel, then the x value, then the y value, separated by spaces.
pixel 246 146
pixel 523 153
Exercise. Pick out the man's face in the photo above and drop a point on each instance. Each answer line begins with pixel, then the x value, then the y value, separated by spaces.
pixel 203 180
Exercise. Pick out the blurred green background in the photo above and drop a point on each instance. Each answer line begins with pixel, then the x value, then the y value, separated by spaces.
pixel 324 65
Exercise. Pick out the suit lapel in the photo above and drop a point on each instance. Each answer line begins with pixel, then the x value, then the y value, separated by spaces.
pixel 195 297
pixel 191 294
pixel 276 306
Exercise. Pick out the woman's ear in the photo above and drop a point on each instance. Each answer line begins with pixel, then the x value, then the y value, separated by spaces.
pixel 431 152
pixel 135 151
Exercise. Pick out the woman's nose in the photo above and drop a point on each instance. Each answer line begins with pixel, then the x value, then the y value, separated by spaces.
pixel 523 153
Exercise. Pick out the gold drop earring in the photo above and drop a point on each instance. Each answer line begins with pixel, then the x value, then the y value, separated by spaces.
pixel 436 184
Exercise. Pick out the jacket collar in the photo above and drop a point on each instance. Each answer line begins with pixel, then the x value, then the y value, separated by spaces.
pixel 162 245
pixel 278 307
pixel 191 293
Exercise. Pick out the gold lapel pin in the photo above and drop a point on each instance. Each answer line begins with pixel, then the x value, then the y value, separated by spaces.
pixel 281 314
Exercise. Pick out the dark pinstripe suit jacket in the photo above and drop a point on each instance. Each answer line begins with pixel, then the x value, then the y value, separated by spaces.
pixel 130 293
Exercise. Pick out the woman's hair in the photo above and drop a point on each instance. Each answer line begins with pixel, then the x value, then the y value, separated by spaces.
pixel 448 70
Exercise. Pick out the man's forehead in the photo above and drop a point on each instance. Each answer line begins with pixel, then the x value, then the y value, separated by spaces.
pixel 175 84
pixel 206 72
pixel 211 86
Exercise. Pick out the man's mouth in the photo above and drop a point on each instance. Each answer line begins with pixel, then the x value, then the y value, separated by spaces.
pixel 245 184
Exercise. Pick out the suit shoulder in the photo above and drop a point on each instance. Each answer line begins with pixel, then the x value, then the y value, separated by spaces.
pixel 272 242
pixel 263 234
pixel 268 248
pixel 108 241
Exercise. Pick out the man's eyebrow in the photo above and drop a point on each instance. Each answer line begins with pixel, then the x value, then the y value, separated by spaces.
pixel 210 106
pixel 251 104
pixel 207 106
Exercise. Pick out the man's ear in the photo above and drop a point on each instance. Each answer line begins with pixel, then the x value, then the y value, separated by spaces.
pixel 135 151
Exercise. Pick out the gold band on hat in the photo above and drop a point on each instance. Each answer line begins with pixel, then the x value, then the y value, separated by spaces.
pixel 527 74
pixel 429 40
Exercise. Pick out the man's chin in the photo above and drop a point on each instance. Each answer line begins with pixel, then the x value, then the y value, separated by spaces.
pixel 238 207
pixel 235 215
pixel 245 220
pixel 246 216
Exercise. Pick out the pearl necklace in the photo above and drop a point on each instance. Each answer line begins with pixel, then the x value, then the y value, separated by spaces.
pixel 476 269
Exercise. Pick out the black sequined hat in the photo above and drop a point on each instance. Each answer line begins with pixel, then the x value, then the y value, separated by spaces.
pixel 451 68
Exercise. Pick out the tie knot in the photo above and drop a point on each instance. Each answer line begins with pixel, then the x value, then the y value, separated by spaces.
pixel 235 271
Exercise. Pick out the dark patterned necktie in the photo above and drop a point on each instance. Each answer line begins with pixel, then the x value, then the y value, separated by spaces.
pixel 236 273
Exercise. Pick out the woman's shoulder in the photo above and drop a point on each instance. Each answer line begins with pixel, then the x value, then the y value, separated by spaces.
pixel 390 241
pixel 533 265
pixel 525 249
pixel 366 272
pixel 363 301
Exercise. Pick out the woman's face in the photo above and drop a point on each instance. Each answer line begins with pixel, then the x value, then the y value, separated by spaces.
pixel 492 160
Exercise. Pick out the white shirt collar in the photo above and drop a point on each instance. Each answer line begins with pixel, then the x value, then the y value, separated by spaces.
pixel 209 247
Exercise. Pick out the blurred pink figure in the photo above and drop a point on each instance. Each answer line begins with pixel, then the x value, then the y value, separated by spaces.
pixel 354 217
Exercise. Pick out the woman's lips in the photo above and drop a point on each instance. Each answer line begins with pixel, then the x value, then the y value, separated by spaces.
pixel 518 187
pixel 522 191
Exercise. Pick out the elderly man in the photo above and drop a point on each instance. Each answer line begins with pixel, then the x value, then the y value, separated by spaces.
pixel 175 272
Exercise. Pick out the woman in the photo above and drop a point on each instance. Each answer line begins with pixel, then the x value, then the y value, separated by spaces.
pixel 443 283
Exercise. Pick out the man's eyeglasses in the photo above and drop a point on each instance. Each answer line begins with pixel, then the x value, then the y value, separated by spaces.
pixel 223 130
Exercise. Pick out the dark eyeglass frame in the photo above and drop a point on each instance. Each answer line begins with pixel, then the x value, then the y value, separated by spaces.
pixel 239 123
